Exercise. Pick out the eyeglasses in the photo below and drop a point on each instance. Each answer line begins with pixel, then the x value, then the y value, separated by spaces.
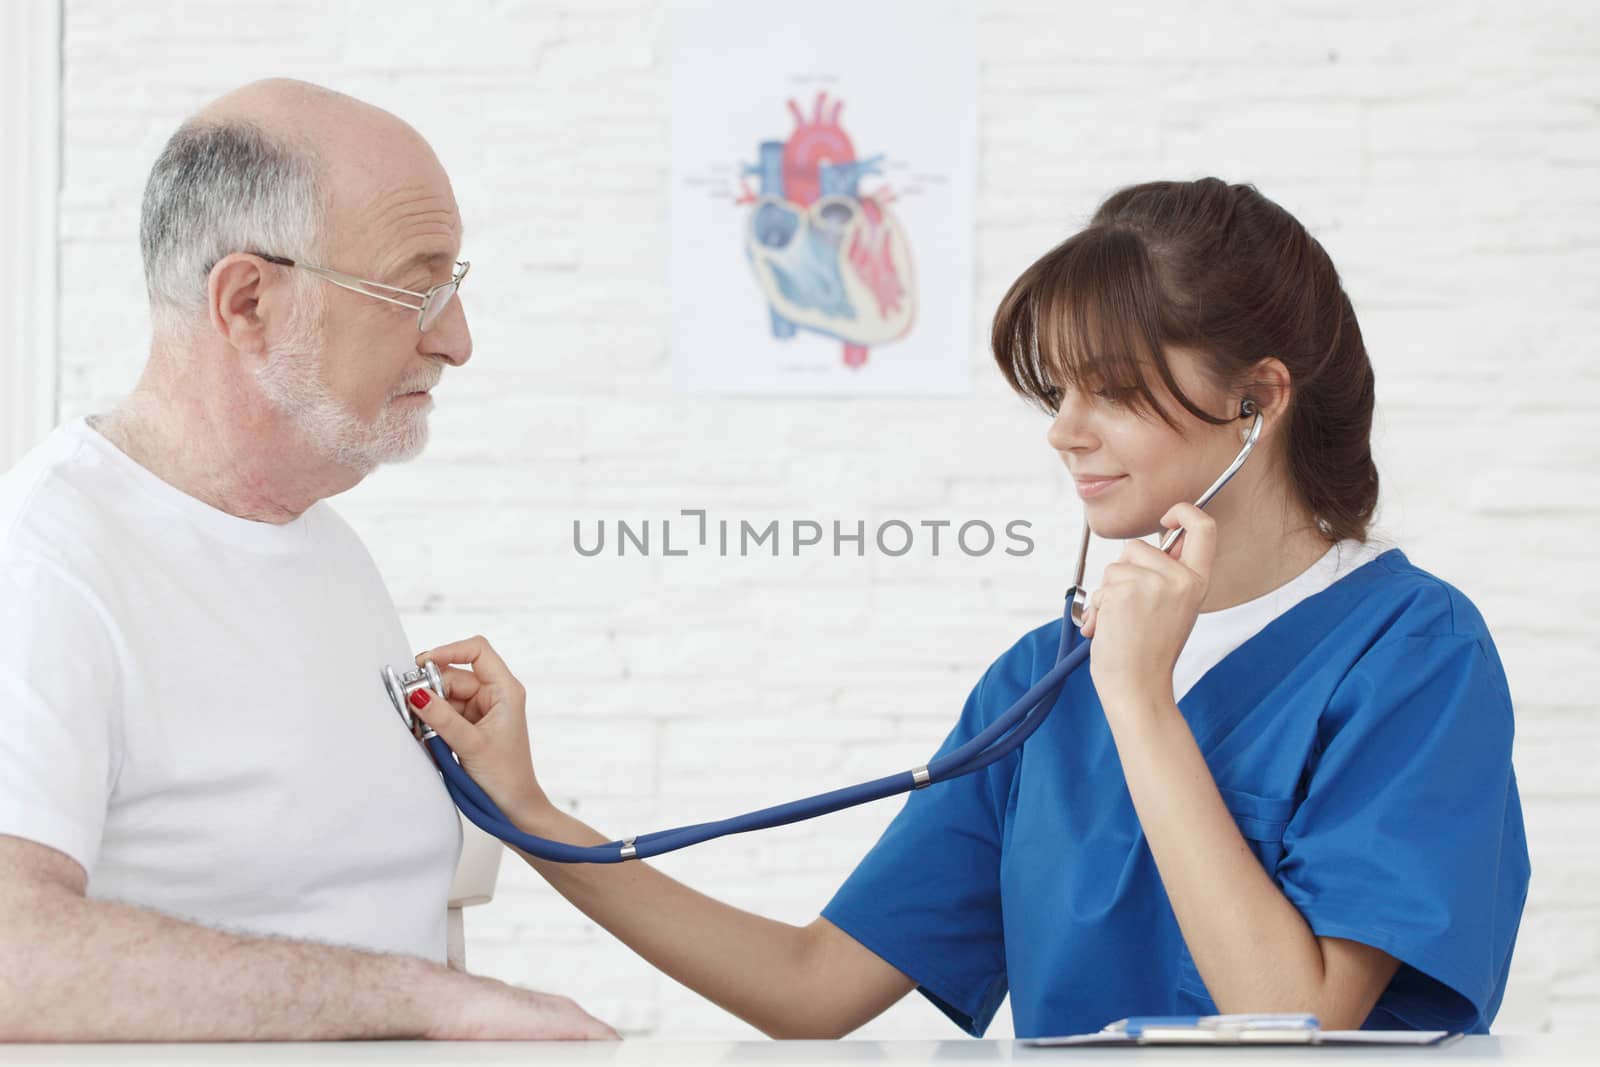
pixel 433 302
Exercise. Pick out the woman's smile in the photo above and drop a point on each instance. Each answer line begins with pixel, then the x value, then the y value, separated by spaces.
pixel 1093 485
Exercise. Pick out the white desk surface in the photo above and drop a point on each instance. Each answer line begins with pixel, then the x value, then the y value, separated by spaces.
pixel 1547 1049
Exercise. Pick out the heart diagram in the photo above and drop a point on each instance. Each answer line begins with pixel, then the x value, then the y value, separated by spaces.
pixel 828 258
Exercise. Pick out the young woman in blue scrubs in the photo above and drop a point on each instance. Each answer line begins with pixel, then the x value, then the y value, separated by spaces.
pixel 1285 782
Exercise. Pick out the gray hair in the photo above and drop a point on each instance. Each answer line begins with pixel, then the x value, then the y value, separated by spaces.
pixel 222 186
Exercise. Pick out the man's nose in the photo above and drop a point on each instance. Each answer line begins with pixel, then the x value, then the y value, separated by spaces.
pixel 449 338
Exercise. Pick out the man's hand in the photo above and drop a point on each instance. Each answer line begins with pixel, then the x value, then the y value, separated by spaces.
pixel 487 1010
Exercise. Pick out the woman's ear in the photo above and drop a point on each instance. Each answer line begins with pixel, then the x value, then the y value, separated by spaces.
pixel 1271 388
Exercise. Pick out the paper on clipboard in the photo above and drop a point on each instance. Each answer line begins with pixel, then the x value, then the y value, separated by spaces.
pixel 1179 1036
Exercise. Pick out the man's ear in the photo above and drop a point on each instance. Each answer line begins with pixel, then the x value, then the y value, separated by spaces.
pixel 239 291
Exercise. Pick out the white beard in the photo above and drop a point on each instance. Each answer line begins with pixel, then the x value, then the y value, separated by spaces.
pixel 292 381
pixel 334 430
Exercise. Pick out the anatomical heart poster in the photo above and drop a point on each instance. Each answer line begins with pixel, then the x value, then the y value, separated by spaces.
pixel 823 173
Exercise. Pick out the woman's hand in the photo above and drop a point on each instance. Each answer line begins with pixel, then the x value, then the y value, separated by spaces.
pixel 485 721
pixel 1142 614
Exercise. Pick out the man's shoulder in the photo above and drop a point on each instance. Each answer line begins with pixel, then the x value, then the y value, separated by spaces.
pixel 332 525
pixel 51 504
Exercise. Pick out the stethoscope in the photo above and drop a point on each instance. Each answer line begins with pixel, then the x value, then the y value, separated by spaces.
pixel 995 742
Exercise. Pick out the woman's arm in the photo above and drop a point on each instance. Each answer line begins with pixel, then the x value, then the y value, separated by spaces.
pixel 787 981
pixel 1252 947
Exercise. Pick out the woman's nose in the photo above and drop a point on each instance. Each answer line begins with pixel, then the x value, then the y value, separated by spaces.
pixel 1069 431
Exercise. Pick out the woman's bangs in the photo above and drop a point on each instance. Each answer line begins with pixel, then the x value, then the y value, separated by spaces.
pixel 1082 317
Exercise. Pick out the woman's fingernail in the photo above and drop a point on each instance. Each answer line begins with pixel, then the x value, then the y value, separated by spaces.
pixel 420 698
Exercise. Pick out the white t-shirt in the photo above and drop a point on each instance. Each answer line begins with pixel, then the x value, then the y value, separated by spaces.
pixel 191 707
pixel 1218 633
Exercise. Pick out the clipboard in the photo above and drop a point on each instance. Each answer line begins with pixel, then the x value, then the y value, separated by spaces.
pixel 1233 1030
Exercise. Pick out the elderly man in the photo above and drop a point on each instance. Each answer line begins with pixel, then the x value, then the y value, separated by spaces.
pixel 212 825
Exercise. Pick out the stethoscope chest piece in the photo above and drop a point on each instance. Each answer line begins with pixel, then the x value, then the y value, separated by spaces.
pixel 402 685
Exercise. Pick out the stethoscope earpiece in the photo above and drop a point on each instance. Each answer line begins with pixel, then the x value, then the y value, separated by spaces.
pixel 1248 409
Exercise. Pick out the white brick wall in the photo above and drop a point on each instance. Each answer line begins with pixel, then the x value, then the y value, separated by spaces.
pixel 1446 154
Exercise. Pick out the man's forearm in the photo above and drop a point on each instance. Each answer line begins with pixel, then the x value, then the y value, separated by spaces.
pixel 73 969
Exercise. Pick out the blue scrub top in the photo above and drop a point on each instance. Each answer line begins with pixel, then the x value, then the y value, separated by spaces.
pixel 1362 741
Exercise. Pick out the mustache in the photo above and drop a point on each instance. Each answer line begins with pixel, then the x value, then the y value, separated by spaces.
pixel 420 384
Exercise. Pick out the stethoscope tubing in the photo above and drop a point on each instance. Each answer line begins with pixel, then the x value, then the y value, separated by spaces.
pixel 996 741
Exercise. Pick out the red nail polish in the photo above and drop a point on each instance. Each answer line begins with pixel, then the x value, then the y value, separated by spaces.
pixel 419 698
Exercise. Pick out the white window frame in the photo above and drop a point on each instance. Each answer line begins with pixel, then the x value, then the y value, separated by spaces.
pixel 30 178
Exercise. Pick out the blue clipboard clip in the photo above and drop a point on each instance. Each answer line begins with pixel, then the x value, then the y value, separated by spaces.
pixel 1279 1027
